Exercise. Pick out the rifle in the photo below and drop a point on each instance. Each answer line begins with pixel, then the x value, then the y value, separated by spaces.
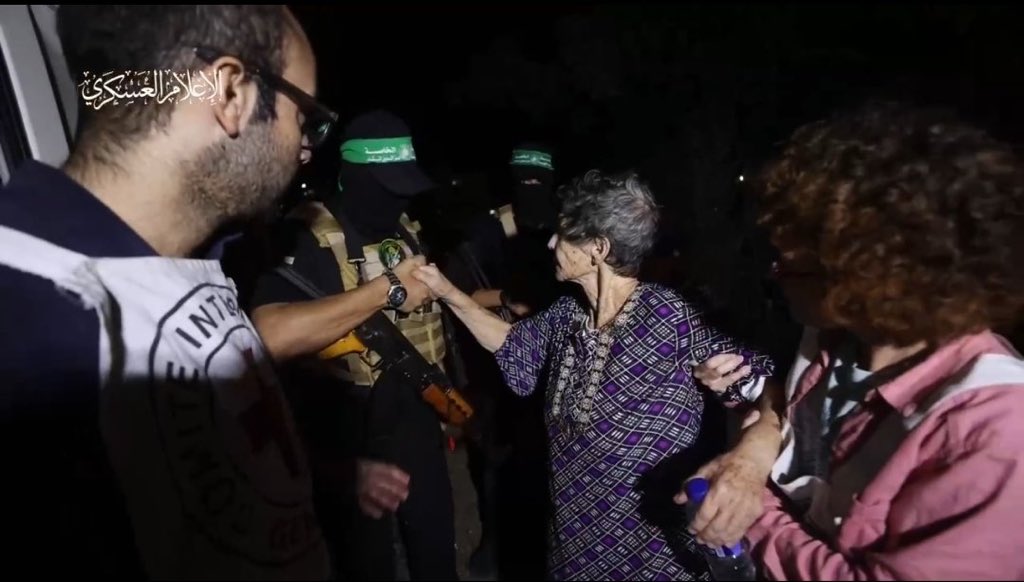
pixel 481 279
pixel 397 354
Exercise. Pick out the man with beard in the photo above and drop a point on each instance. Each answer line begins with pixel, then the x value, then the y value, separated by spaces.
pixel 377 448
pixel 144 433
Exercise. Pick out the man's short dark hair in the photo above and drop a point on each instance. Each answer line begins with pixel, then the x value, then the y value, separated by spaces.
pixel 97 39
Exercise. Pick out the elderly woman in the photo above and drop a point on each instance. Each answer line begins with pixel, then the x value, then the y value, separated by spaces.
pixel 618 371
pixel 901 234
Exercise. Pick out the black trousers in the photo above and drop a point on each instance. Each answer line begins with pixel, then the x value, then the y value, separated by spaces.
pixel 391 423
pixel 509 472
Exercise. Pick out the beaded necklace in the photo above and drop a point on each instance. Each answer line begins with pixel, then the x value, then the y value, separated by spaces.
pixel 581 408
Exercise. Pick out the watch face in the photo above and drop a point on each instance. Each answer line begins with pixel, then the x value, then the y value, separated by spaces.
pixel 397 296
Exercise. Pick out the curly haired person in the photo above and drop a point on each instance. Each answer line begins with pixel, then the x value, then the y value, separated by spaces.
pixel 900 234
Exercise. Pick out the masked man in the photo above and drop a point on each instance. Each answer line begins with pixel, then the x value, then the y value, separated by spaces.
pixel 378 449
pixel 504 263
pixel 508 245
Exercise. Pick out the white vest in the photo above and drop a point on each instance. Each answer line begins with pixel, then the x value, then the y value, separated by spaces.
pixel 192 415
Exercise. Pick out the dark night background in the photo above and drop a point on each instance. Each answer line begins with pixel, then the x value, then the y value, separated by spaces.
pixel 621 85
pixel 689 95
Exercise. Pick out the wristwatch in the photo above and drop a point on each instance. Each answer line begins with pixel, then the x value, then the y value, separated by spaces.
pixel 396 293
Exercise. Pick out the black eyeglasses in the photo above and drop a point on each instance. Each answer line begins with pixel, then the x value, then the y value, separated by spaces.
pixel 781 269
pixel 319 119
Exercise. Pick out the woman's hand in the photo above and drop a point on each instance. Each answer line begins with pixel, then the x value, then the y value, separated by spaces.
pixel 719 372
pixel 497 298
pixel 439 285
pixel 488 329
pixel 519 309
pixel 738 478
pixel 734 501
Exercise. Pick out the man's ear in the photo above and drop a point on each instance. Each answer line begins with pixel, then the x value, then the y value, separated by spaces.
pixel 236 94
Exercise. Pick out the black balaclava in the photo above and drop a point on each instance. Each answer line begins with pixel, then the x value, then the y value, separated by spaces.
pixel 533 179
pixel 372 208
pixel 379 175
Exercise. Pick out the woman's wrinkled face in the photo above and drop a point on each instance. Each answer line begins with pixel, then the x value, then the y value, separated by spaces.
pixel 572 261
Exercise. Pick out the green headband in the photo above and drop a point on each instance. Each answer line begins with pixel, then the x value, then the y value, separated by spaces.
pixel 378 151
pixel 531 158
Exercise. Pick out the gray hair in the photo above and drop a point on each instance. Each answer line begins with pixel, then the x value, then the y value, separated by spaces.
pixel 617 207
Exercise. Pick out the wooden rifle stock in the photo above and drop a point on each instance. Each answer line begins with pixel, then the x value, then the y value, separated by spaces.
pixel 397 354
pixel 347 345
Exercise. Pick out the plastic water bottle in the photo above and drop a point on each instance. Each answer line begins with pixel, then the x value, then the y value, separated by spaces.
pixel 726 563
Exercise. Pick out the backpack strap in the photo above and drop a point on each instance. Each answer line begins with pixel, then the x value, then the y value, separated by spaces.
pixel 329 234
pixel 506 216
pixel 409 231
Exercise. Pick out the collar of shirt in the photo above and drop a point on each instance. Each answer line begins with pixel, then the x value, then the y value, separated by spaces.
pixel 215 249
pixel 905 392
pixel 46 203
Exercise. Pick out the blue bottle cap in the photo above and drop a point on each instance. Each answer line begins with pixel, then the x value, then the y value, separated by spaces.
pixel 697 490
pixel 733 551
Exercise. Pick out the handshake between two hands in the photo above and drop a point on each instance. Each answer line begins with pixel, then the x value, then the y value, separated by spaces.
pixel 423 282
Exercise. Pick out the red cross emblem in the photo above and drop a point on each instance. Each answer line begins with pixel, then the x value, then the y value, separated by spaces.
pixel 264 421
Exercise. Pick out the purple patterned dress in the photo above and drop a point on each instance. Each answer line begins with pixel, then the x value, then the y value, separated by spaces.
pixel 647 408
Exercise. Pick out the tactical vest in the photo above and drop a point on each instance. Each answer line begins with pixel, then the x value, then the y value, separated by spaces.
pixel 423 327
pixel 506 216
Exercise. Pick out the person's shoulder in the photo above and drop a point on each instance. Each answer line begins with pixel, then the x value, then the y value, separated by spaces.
pixel 51 338
pixel 485 231
pixel 670 311
pixel 666 302
pixel 565 302
pixel 34 300
pixel 26 296
pixel 484 222
pixel 988 416
pixel 564 308
pixel 290 230
pixel 295 244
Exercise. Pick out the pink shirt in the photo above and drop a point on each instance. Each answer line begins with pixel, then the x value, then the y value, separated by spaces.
pixel 947 504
